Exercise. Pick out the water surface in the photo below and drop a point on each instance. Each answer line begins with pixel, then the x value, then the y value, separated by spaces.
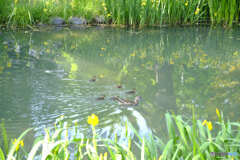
pixel 45 74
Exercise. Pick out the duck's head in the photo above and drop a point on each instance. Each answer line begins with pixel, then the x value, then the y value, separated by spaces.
pixel 137 99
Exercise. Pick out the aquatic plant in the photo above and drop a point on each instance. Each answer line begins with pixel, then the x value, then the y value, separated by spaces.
pixel 128 12
pixel 28 12
pixel 185 141
pixel 224 11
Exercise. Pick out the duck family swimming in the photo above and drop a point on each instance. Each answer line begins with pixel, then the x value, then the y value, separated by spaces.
pixel 120 101
pixel 126 102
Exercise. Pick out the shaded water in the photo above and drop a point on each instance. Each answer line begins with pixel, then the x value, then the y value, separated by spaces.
pixel 45 74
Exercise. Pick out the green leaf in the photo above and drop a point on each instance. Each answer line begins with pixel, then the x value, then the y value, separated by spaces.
pixel 13 147
pixel 2 157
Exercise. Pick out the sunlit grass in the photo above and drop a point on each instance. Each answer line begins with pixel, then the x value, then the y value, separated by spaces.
pixel 128 12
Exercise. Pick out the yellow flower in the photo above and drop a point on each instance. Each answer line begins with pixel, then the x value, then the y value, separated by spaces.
pixel 143 55
pixel 93 120
pixel 20 143
pixel 75 123
pixel 215 14
pixel 45 10
pixel 72 4
pixel 103 49
pixel 209 125
pixel 204 122
pixel 47 3
pixel 101 156
pixel 105 156
pixel 103 4
pixel 171 61
pixel 153 82
pixel 232 68
pixel 133 54
pixel 197 11
pixel 235 53
pixel 101 54
pixel 109 15
pixel 74 67
pixel 217 112
pixel 9 64
pixel 186 3
pixel 45 43
pixel 101 76
pixel 143 3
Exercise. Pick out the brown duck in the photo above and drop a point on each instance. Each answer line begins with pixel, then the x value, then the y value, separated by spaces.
pixel 119 86
pixel 131 91
pixel 93 79
pixel 126 102
pixel 101 97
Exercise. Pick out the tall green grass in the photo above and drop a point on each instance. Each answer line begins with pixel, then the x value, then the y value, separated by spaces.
pixel 224 11
pixel 29 12
pixel 197 140
pixel 127 12
pixel 152 12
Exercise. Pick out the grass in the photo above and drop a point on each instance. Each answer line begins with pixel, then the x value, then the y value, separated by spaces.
pixel 200 140
pixel 127 12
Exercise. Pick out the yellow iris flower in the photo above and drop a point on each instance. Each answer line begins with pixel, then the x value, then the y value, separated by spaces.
pixel 218 113
pixel 20 143
pixel 197 11
pixel 93 120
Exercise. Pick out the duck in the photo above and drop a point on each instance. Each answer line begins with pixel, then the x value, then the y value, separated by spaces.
pixel 133 91
pixel 93 79
pixel 119 86
pixel 101 97
pixel 125 102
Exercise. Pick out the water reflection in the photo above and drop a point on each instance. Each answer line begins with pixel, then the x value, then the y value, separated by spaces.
pixel 46 74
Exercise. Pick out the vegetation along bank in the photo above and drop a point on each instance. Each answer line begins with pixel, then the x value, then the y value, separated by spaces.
pixel 23 13
pixel 201 140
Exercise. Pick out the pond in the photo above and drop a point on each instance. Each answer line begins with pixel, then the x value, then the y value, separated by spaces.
pixel 45 74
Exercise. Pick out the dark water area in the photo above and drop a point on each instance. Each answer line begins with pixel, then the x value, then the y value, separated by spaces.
pixel 45 74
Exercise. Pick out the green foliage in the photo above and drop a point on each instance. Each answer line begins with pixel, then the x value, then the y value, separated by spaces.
pixel 4 137
pixel 128 12
pixel 185 142
pixel 5 8
pixel 224 11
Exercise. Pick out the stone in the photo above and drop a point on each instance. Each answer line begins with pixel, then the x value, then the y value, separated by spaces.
pixel 77 21
pixel 57 21
pixel 100 19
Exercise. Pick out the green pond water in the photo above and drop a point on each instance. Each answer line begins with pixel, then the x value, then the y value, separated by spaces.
pixel 45 74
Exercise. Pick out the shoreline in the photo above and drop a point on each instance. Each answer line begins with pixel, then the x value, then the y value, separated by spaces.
pixel 37 27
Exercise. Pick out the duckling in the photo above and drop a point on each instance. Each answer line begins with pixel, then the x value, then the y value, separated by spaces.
pixel 131 91
pixel 127 102
pixel 119 86
pixel 101 97
pixel 93 79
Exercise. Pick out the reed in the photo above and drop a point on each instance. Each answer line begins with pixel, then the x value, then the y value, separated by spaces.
pixel 127 12
pixel 198 140
pixel 224 11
